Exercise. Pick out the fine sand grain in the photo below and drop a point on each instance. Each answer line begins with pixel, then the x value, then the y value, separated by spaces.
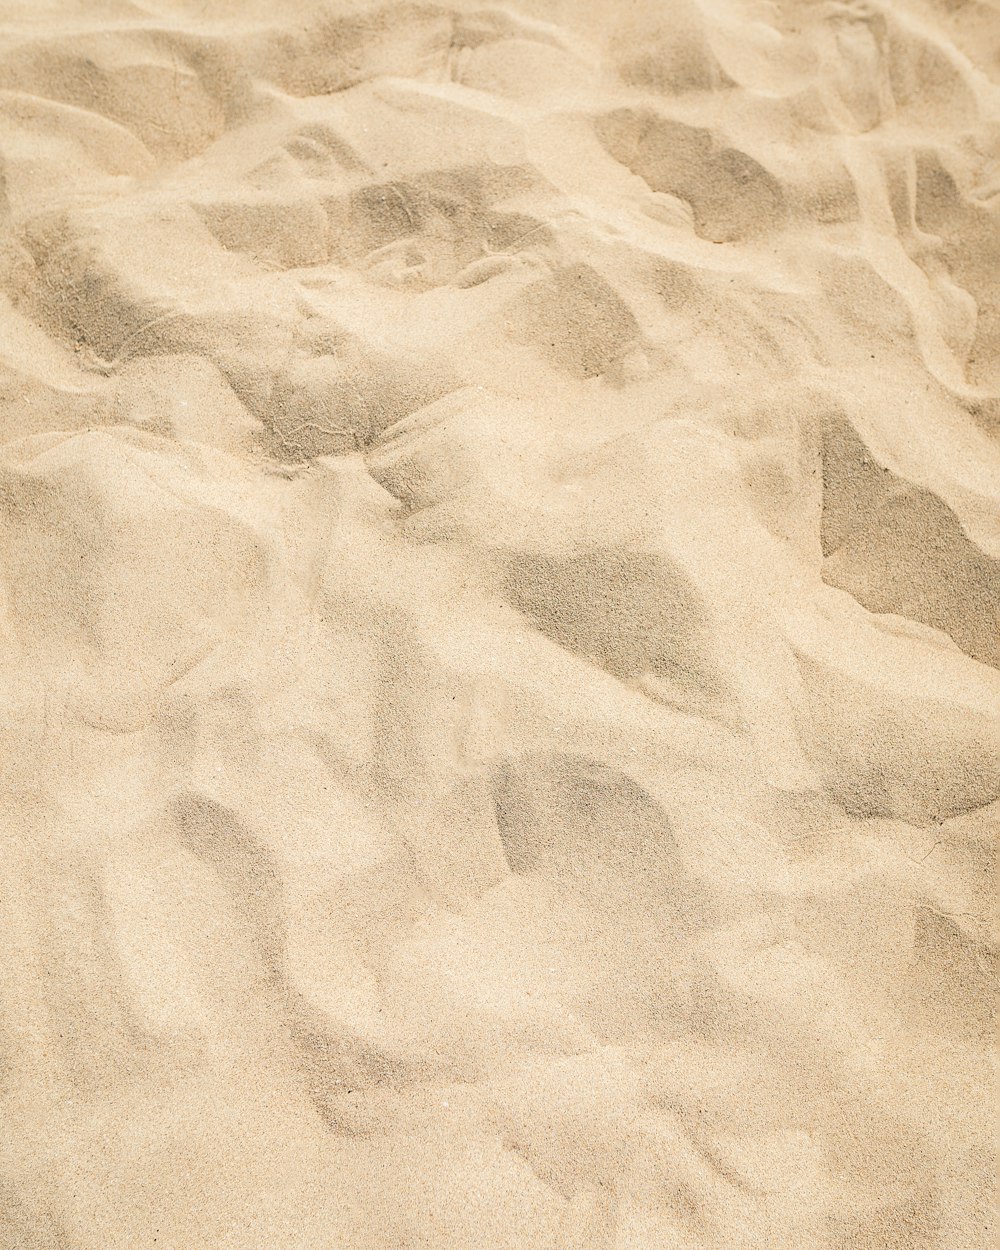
pixel 500 597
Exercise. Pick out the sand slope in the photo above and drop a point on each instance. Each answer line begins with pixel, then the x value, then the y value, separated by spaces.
pixel 500 596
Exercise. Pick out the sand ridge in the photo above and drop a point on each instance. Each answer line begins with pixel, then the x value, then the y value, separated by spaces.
pixel 500 589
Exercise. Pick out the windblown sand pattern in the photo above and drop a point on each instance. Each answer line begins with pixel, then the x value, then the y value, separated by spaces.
pixel 499 534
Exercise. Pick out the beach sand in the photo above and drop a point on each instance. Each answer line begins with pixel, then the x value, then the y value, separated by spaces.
pixel 500 591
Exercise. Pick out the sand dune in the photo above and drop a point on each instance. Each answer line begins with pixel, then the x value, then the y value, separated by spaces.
pixel 500 584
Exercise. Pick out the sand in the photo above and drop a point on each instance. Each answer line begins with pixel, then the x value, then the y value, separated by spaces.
pixel 500 598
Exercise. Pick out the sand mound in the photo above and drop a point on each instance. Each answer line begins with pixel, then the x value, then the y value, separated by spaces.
pixel 500 582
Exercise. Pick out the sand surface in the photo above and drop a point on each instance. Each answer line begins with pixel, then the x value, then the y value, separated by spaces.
pixel 500 599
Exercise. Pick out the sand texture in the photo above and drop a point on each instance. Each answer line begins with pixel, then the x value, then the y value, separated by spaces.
pixel 500 605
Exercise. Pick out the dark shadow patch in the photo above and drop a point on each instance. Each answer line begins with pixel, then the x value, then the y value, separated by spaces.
pixel 575 319
pixel 952 979
pixel 900 549
pixel 733 197
pixel 630 612
pixel 246 868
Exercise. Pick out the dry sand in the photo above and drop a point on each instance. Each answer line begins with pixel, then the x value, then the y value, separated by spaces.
pixel 499 581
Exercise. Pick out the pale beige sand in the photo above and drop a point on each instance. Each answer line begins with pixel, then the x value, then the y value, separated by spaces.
pixel 501 618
